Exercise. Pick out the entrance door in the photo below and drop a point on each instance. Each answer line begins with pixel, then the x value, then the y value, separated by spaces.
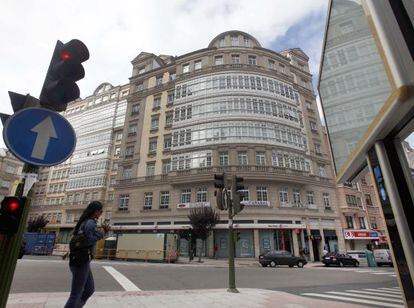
pixel 315 246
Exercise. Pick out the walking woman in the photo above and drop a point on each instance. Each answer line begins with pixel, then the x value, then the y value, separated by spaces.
pixel 82 280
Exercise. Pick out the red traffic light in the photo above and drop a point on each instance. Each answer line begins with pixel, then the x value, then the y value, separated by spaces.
pixel 65 56
pixel 10 205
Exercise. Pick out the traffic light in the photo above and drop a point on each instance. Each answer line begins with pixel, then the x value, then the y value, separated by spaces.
pixel 64 70
pixel 219 180
pixel 10 214
pixel 236 236
pixel 237 194
pixel 219 199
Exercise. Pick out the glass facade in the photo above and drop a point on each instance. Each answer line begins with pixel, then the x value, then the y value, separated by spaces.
pixel 353 84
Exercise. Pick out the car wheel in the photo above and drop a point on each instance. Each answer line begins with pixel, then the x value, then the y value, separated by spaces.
pixel 356 264
pixel 300 264
pixel 272 263
pixel 326 265
pixel 264 265
pixel 340 264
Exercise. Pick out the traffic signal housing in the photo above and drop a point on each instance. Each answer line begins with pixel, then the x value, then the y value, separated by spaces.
pixel 11 212
pixel 219 199
pixel 64 70
pixel 219 180
pixel 237 194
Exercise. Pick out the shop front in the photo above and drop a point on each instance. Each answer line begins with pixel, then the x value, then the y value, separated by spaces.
pixel 360 239
pixel 278 239
pixel 244 246
pixel 331 240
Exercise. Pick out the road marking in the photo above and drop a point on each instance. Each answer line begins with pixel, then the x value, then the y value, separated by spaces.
pixel 121 279
pixel 377 297
pixel 389 289
pixel 386 291
pixel 354 300
pixel 380 273
pixel 376 292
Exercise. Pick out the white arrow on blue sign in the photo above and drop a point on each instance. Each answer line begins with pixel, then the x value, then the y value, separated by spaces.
pixel 39 136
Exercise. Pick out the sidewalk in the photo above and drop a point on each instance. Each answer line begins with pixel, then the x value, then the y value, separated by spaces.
pixel 238 262
pixel 247 298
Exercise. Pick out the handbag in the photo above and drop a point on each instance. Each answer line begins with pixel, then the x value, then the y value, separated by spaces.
pixel 79 248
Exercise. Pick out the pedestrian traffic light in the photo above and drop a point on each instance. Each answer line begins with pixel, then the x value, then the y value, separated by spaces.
pixel 238 182
pixel 64 70
pixel 10 214
pixel 236 236
pixel 219 180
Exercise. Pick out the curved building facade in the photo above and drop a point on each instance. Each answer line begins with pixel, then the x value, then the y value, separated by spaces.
pixel 232 107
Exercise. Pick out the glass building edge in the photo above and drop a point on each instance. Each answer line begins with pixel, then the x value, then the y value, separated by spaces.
pixel 338 167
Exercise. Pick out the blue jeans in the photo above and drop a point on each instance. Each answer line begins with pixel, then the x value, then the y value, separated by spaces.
pixel 82 286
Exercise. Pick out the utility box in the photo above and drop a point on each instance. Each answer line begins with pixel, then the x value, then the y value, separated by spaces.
pixel 370 258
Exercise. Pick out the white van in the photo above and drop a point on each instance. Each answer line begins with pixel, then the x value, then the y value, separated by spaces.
pixel 360 255
pixel 383 257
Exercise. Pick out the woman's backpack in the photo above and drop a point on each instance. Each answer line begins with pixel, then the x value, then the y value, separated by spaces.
pixel 80 250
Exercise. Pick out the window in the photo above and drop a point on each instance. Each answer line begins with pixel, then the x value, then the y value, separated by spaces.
pixel 154 122
pixel 151 169
pixel 321 170
pixel 247 42
pixel 244 194
pixel 114 166
pixel 158 81
pixel 123 202
pixel 234 41
pixel 283 195
pixel 132 129
pixel 218 60
pixel 308 105
pixel 223 158
pixel 349 222
pixel 129 152
pixel 261 192
pixel 242 158
pixel 117 151
pixel 318 149
pixel 10 169
pixel 140 87
pixel 313 126
pixel 169 119
pixel 141 70
pixel 201 194
pixel 362 223
pixel 326 201
pixel 235 59
pixel 296 197
pixel 156 103
pixel 186 68
pixel 260 158
pixel 152 146
pixel 164 199
pixel 147 200
pixel 166 166
pixel 127 173
pixel 311 198
pixel 111 196
pixel 252 60
pixel 197 65
pixel 167 143
pixel 170 98
pixel 351 201
pixel 374 225
pixel 185 196
pixel 271 64
pixel 5 184
pixel 368 200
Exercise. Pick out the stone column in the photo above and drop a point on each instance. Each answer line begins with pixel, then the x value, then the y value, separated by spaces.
pixel 310 241
pixel 295 243
pixel 210 245
pixel 256 243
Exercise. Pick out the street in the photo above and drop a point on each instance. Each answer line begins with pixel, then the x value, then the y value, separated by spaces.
pixel 364 286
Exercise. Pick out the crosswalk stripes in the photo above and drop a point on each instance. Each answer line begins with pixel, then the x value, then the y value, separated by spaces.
pixel 359 270
pixel 380 297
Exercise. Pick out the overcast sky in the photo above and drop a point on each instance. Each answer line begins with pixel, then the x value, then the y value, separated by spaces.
pixel 116 31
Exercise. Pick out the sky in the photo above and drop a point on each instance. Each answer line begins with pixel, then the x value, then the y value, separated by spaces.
pixel 117 31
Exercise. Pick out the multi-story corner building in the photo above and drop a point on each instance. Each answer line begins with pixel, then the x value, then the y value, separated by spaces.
pixel 362 221
pixel 63 191
pixel 238 108
pixel 10 171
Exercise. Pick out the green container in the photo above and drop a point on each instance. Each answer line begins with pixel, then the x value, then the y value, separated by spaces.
pixel 370 258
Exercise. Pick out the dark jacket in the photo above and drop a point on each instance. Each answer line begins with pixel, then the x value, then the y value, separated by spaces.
pixel 91 232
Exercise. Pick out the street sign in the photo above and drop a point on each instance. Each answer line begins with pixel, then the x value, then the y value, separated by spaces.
pixel 39 136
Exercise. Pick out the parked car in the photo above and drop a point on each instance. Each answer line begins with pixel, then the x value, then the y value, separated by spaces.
pixel 383 257
pixel 280 257
pixel 339 259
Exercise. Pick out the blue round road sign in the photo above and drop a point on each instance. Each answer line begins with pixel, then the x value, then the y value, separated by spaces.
pixel 39 136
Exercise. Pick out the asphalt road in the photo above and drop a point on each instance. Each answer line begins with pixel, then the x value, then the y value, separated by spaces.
pixel 51 275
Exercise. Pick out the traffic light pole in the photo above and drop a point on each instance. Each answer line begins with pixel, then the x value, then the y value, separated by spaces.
pixel 231 246
pixel 11 244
